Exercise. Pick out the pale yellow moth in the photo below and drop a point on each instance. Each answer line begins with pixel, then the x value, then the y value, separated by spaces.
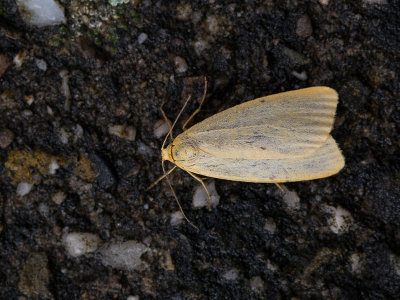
pixel 278 138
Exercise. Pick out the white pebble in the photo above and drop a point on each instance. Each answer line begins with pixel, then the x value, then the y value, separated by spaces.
pixel 43 209
pixel 122 131
pixel 340 220
pixel 29 99
pixel 142 38
pixel 124 256
pixel 200 198
pixel 41 12
pixel 180 64
pixel 160 129
pixel 176 218
pixel 231 274
pixel 64 136
pixel 324 2
pixel 301 76
pixel 24 188
pixel 19 58
pixel 50 111
pixel 356 261
pixel 78 131
pixel 200 46
pixel 270 225
pixel 41 64
pixel 80 243
pixel 53 167
pixel 132 298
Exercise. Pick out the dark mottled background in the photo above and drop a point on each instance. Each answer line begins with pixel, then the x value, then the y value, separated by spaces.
pixel 333 238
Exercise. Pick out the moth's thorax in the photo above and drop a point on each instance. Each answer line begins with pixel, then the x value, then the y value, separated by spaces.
pixel 183 150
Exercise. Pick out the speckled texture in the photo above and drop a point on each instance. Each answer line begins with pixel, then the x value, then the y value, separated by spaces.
pixel 333 238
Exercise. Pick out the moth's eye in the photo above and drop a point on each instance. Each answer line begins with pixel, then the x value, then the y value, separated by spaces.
pixel 184 151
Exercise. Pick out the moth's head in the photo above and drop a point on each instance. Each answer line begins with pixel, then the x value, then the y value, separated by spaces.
pixel 182 150
pixel 166 153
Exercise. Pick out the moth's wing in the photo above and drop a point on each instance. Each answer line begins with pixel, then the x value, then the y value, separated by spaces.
pixel 326 161
pixel 290 124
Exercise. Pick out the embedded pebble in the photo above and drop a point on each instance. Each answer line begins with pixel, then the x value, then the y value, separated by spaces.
pixel 381 2
pixel 29 99
pixel 231 274
pixel 6 138
pixel 142 38
pixel 4 64
pixel 58 197
pixel 105 176
pixel 291 199
pixel 295 57
pixel 43 209
pixel 200 198
pixel 53 167
pixel 304 26
pixel 80 243
pixel 19 58
pixel 65 89
pixel 41 64
pixel 199 46
pixel 117 2
pixel 124 256
pixel 257 285
pixel 176 218
pixel 78 130
pixel 24 188
pixel 64 135
pixel 340 220
pixel 41 12
pixel 132 298
pixel 395 261
pixel 324 2
pixel 356 261
pixel 166 262
pixel 270 225
pixel 35 277
pixel 183 11
pixel 212 24
pixel 301 76
pixel 180 64
pixel 160 129
pixel 122 131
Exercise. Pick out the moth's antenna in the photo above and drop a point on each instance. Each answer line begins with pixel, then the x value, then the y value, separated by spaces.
pixel 176 120
pixel 159 179
pixel 163 165
pixel 176 197
pixel 201 104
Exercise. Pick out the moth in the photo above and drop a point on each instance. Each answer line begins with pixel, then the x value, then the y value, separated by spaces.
pixel 274 139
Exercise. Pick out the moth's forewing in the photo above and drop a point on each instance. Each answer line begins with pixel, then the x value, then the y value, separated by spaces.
pixel 285 125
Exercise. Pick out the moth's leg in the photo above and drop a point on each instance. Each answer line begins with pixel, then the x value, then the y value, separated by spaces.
pixel 204 186
pixel 280 187
pixel 199 108
pixel 166 119
pixel 159 179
